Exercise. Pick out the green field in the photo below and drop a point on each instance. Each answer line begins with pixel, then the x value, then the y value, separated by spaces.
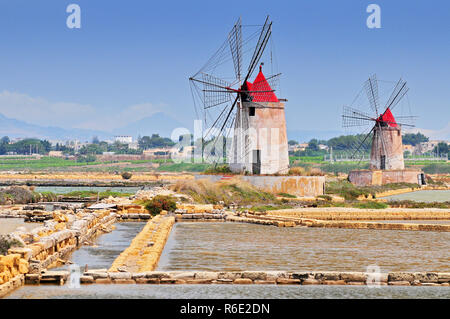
pixel 39 164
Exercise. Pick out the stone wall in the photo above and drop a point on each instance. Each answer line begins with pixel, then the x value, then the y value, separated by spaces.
pixel 348 213
pixel 48 245
pixel 267 278
pixel 12 270
pixel 378 177
pixel 301 186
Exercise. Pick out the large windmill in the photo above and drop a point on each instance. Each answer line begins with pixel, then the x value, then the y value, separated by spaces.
pixel 248 112
pixel 384 131
pixel 387 149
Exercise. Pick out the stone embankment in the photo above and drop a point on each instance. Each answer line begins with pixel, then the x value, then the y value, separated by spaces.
pixel 132 212
pixel 282 221
pixel 47 246
pixel 12 270
pixel 348 213
pixel 146 248
pixel 101 276
pixel 330 219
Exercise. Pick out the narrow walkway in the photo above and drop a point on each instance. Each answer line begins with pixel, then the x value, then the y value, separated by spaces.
pixel 146 248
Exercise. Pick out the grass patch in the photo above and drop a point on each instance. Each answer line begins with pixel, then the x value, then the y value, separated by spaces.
pixel 436 168
pixel 370 205
pixel 228 191
pixel 351 192
pixel 287 195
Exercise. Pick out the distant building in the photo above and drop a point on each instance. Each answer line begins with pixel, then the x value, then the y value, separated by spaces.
pixel 430 145
pixel 133 146
pixel 55 154
pixel 124 139
pixel 408 148
pixel 297 147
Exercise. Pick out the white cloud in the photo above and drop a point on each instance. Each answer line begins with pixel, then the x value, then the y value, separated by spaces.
pixel 37 110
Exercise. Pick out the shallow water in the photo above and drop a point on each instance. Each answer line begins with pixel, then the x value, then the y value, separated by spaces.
pixel 237 247
pixel 227 291
pixel 68 189
pixel 106 247
pixel 8 225
pixel 423 196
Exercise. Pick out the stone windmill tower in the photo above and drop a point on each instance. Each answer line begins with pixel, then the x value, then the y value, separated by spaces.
pixel 386 152
pixel 248 111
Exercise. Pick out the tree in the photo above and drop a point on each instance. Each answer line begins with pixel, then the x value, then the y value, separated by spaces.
pixel 441 148
pixel 95 140
pixel 5 140
pixel 313 145
pixel 414 139
pixel 292 142
pixel 154 141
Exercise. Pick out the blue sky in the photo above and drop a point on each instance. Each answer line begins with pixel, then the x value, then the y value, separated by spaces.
pixel 133 58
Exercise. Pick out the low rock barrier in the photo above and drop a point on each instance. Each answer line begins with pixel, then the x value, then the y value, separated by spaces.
pixel 258 277
pixel 292 222
pixel 348 213
pixel 146 248
pixel 12 270
pixel 47 246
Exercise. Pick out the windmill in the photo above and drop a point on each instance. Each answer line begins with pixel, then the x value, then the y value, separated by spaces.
pixel 384 129
pixel 249 112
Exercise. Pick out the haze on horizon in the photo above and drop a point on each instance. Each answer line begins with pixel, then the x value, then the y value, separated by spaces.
pixel 131 60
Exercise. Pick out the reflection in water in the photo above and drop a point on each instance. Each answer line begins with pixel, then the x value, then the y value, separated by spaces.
pixel 235 246
pixel 107 247
pixel 227 291
pixel 423 196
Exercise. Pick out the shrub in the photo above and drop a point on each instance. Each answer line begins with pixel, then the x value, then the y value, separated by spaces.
pixel 18 195
pixel 234 191
pixel 326 197
pixel 221 169
pixel 160 203
pixel 287 195
pixel 126 175
pixel 8 241
pixel 371 205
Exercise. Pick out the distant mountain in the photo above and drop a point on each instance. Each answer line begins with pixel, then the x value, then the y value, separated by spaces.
pixel 158 123
pixel 304 136
pixel 16 128
pixel 439 134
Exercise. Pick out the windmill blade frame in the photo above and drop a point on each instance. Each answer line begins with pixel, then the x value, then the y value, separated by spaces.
pixel 235 41
pixel 352 117
pixel 371 88
pixel 397 94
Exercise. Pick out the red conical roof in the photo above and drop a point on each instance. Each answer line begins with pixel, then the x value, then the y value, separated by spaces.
pixel 260 84
pixel 388 118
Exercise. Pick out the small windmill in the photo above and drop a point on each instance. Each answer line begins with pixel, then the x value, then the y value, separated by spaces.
pixel 385 130
pixel 229 102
